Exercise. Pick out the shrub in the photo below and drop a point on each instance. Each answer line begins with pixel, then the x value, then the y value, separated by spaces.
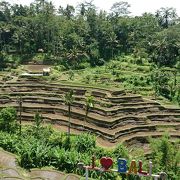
pixel 85 142
pixel 166 156
pixel 71 75
pixel 56 139
pixel 99 152
pixel 42 132
pixel 120 151
pixel 8 141
pixel 59 68
pixel 66 144
pixel 3 60
pixel 100 62
pixel 139 61
pixel 83 65
pixel 87 79
pixel 33 153
pixel 48 58
pixel 65 160
pixel 8 117
pixel 7 78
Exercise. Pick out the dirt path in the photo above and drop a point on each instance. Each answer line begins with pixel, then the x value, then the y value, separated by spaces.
pixel 47 174
pixel 7 160
pixel 35 68
pixel 8 165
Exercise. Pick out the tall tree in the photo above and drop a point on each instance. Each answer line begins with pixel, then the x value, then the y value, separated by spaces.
pixel 19 101
pixel 166 16
pixel 67 12
pixel 165 46
pixel 82 9
pixel 69 101
pixel 5 11
pixel 89 105
pixel 165 155
pixel 120 9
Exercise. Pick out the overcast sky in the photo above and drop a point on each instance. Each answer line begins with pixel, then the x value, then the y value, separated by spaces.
pixel 137 6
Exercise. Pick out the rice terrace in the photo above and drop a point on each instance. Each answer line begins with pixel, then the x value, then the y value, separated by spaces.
pixel 89 94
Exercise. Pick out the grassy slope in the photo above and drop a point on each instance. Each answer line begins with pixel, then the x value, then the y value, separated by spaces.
pixel 123 73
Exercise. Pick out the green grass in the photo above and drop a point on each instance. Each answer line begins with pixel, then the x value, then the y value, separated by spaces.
pixel 114 74
pixel 122 73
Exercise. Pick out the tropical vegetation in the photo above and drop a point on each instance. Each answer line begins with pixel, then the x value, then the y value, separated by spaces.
pixel 40 146
pixel 84 45
pixel 77 38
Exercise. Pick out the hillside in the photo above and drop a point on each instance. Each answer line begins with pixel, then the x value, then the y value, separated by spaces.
pixel 79 81
pixel 119 115
pixel 125 72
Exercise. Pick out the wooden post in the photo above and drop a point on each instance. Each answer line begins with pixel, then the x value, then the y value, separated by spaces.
pixel 93 162
pixel 150 168
pixel 87 173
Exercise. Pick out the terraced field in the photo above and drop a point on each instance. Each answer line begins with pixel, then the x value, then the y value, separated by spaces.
pixel 117 115
pixel 9 170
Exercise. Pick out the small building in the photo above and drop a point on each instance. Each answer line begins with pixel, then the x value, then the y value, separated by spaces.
pixel 46 71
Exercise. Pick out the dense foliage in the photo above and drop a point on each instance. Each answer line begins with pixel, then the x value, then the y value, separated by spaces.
pixel 126 72
pixel 8 119
pixel 166 156
pixel 39 146
pixel 147 46
pixel 76 36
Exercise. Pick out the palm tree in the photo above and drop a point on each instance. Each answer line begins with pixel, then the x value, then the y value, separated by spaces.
pixel 166 16
pixel 74 55
pixel 120 9
pixel 19 101
pixel 41 2
pixel 89 105
pixel 112 43
pixel 69 101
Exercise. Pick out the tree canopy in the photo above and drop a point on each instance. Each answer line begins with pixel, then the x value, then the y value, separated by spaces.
pixel 73 35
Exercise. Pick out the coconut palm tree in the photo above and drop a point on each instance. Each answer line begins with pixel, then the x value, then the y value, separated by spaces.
pixel 69 101
pixel 166 16
pixel 89 105
pixel 20 101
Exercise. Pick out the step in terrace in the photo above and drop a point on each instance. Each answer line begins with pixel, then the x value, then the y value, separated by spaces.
pixel 116 114
pixel 111 111
pixel 108 134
